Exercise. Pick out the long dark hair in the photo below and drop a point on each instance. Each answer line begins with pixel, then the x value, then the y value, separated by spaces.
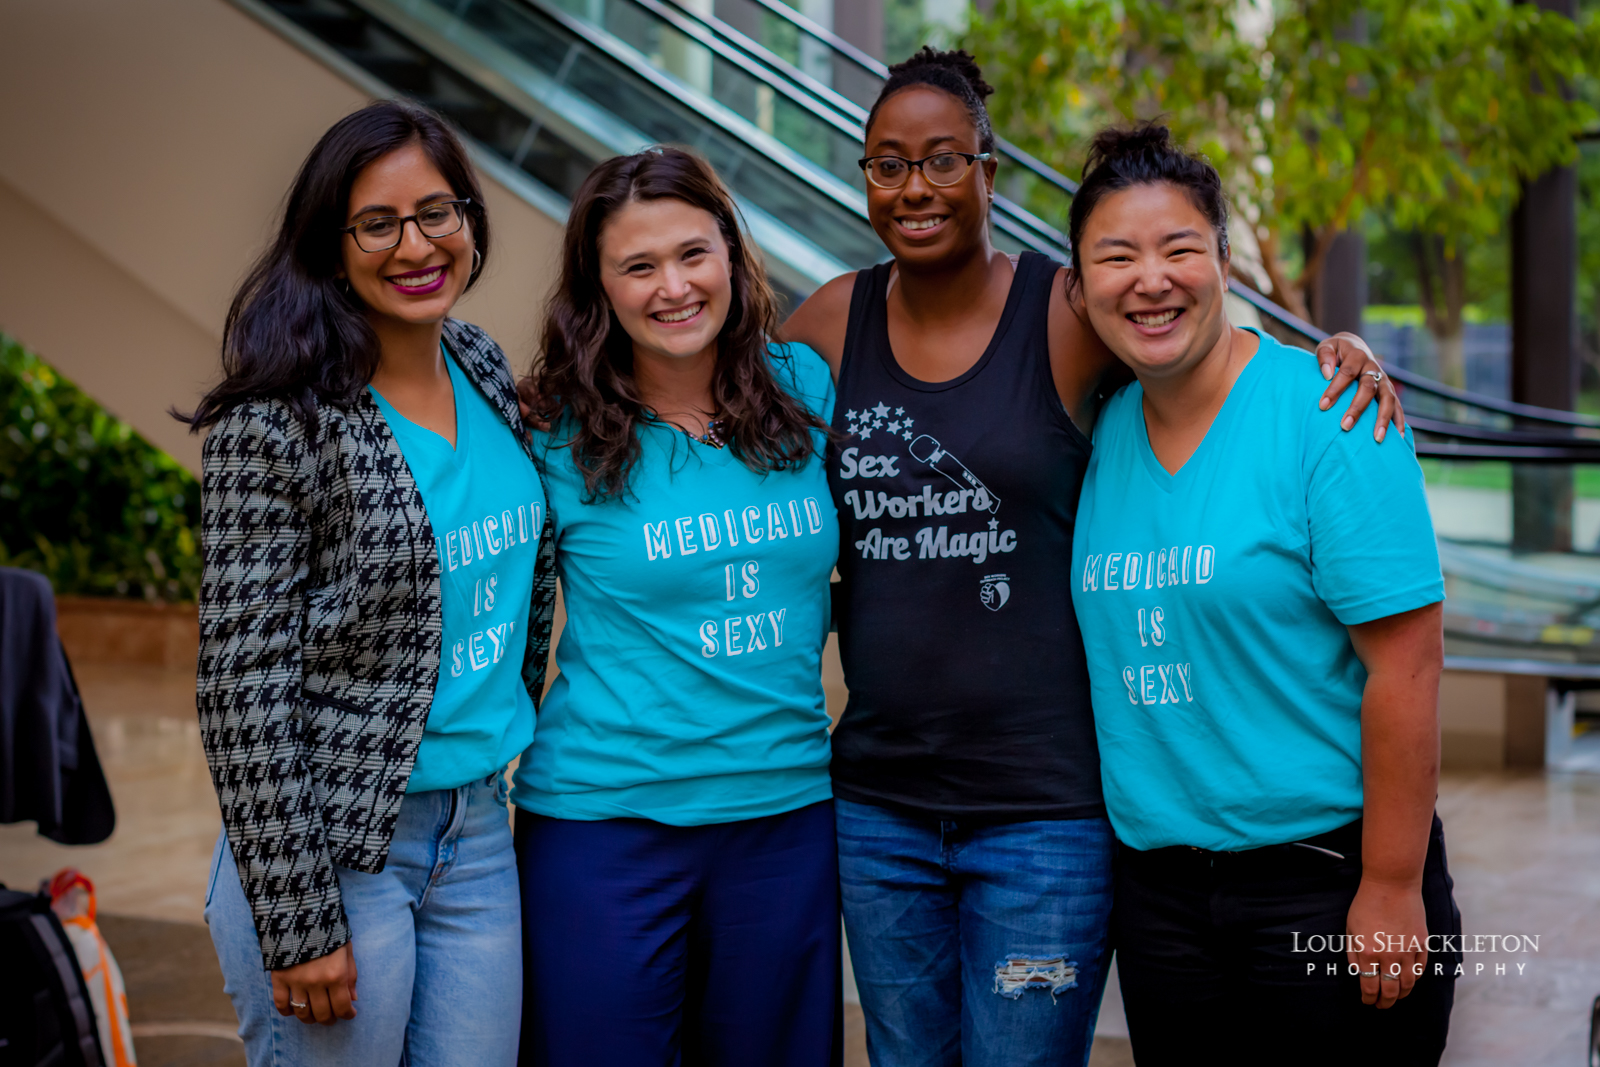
pixel 585 375
pixel 1121 157
pixel 294 331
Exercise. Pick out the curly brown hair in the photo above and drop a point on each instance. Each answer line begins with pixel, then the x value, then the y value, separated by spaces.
pixel 584 377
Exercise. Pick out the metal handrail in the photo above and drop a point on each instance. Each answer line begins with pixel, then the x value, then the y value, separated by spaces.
pixel 714 35
pixel 1262 303
pixel 1491 435
pixel 1416 381
pixel 848 111
pixel 875 66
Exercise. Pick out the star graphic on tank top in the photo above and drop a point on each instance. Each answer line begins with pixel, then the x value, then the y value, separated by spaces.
pixel 894 427
pixel 907 435
pixel 906 423
pixel 866 432
pixel 851 415
pixel 899 411
pixel 994 524
pixel 882 410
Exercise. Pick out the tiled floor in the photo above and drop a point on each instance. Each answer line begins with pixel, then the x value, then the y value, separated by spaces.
pixel 1525 850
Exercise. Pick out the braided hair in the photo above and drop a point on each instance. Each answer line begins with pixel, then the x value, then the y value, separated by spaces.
pixel 955 72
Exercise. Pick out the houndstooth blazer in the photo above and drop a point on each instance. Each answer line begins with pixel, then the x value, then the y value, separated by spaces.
pixel 320 643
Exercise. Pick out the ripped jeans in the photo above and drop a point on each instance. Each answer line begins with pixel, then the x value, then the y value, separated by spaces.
pixel 976 946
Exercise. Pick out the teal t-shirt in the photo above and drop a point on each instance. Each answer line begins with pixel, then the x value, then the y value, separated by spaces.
pixel 487 506
pixel 1213 603
pixel 690 685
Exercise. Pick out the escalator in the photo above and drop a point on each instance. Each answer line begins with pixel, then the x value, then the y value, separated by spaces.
pixel 548 88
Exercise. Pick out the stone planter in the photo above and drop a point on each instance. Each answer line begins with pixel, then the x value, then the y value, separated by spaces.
pixel 132 632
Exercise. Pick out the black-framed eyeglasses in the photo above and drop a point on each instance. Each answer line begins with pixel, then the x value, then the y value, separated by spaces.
pixel 385 231
pixel 942 168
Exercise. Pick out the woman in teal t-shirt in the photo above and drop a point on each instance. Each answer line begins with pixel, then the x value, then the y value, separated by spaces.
pixel 1260 600
pixel 675 829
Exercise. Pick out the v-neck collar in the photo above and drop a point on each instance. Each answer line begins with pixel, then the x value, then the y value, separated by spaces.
pixel 458 382
pixel 1166 481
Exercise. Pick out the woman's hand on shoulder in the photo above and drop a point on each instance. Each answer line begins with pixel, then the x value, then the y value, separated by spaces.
pixel 1346 358
pixel 822 321
pixel 322 990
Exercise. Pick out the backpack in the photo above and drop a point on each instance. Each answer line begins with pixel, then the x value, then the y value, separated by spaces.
pixel 45 1013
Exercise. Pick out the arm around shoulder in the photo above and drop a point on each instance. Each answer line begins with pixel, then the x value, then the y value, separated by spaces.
pixel 823 320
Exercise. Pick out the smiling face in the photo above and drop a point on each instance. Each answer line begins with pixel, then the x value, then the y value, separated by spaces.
pixel 1153 279
pixel 921 223
pixel 419 280
pixel 665 270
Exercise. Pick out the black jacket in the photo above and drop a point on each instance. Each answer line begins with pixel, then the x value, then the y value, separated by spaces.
pixel 320 634
pixel 49 772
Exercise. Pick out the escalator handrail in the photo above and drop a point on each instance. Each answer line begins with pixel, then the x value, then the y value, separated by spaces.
pixel 1015 221
pixel 821 100
pixel 605 44
pixel 1263 304
pixel 871 65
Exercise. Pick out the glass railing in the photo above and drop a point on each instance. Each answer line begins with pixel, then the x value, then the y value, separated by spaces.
pixel 551 96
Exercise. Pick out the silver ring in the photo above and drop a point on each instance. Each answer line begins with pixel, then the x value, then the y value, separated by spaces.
pixel 297 1005
pixel 1388 978
pixel 1376 376
pixel 1374 973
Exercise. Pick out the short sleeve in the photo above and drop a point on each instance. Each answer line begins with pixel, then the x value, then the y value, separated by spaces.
pixel 805 373
pixel 1373 552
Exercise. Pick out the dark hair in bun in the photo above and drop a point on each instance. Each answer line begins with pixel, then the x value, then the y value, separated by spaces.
pixel 1120 158
pixel 954 72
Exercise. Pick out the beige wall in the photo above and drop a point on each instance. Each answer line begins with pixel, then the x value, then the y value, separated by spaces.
pixel 145 148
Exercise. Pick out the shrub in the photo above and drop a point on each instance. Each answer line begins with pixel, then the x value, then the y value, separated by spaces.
pixel 84 499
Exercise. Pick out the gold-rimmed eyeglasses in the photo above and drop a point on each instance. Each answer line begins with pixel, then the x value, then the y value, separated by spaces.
pixel 384 232
pixel 943 169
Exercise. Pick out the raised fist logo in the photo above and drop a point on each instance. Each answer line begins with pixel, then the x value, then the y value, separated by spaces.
pixel 995 591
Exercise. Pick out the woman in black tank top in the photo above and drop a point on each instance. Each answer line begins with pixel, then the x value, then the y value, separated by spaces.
pixel 974 853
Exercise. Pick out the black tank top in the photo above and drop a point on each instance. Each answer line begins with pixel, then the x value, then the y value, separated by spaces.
pixel 969 693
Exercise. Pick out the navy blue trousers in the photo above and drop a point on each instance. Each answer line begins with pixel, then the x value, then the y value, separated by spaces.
pixel 649 945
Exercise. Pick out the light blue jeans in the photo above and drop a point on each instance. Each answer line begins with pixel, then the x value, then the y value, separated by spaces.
pixel 437 936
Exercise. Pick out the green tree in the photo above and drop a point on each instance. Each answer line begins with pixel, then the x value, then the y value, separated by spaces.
pixel 85 500
pixel 1432 112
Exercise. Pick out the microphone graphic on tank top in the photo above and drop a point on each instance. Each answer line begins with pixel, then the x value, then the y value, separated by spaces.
pixel 929 451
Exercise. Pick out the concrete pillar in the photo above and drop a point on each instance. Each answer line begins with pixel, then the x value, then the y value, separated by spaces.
pixel 861 23
pixel 1340 294
pixel 1544 339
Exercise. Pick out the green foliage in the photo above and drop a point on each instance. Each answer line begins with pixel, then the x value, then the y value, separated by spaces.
pixel 84 499
pixel 1315 111
pixel 904 29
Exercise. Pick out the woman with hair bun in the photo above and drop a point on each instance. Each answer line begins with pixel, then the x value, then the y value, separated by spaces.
pixel 674 818
pixel 974 851
pixel 374 618
pixel 1260 596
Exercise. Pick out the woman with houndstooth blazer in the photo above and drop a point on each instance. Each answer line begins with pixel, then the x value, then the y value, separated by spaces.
pixel 375 618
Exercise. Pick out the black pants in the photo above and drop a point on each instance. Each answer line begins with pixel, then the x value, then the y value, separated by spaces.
pixel 1213 953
